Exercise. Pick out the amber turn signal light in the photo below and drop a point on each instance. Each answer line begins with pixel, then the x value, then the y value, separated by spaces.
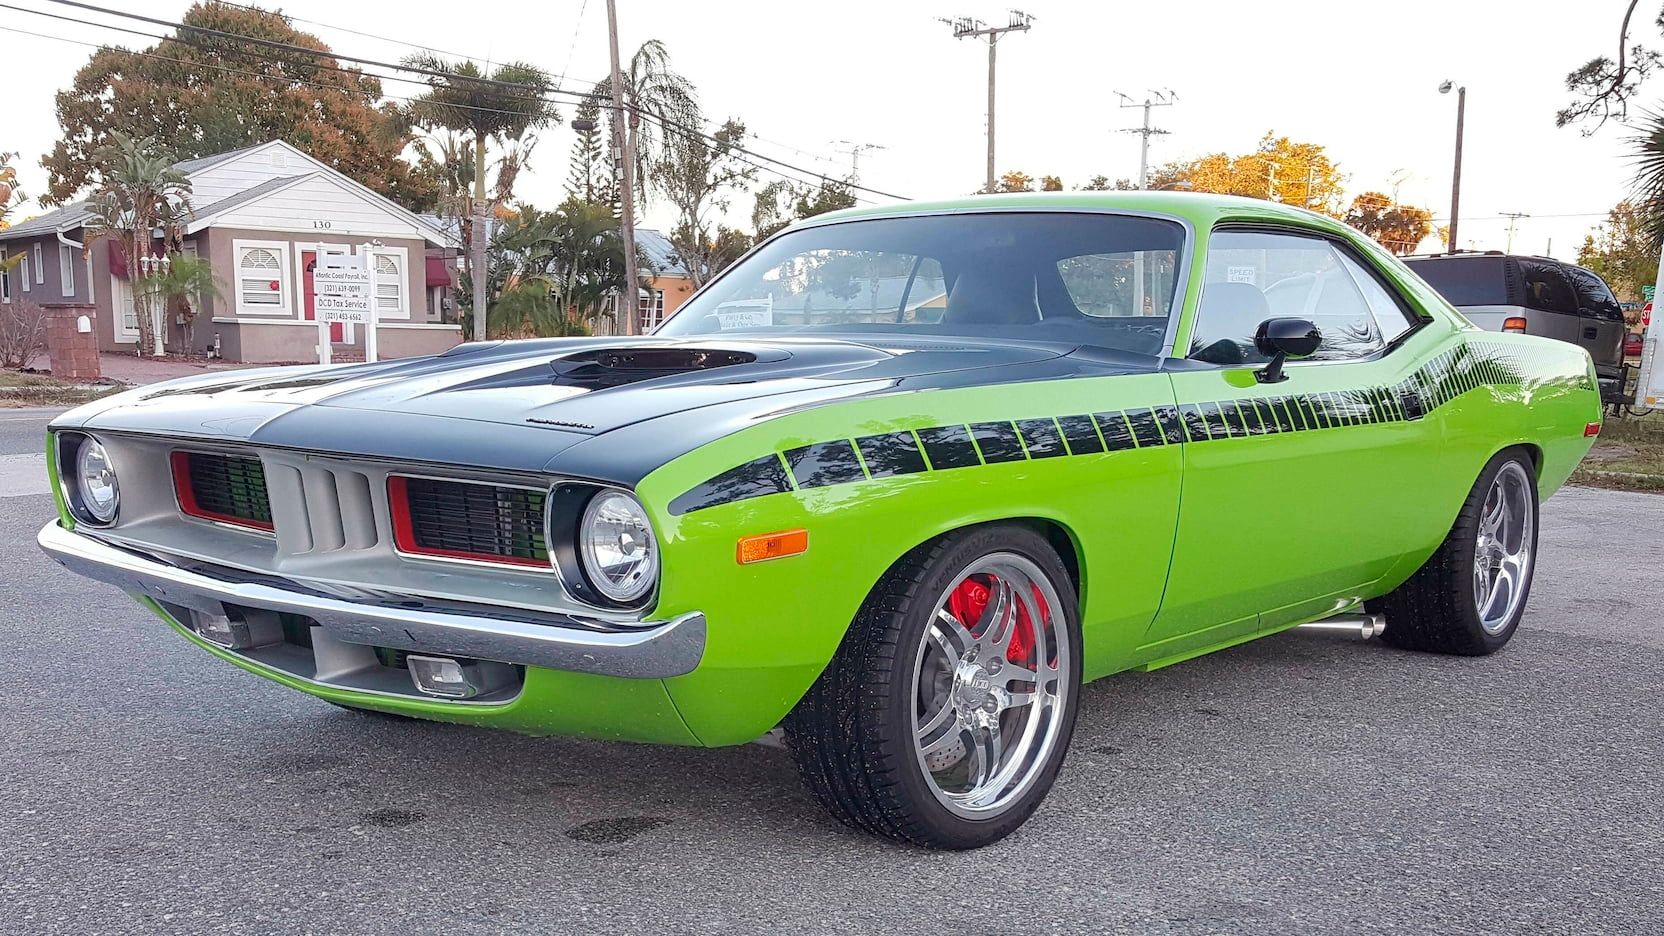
pixel 1515 324
pixel 772 546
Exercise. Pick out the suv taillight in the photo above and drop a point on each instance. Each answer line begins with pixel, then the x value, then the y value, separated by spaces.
pixel 1515 324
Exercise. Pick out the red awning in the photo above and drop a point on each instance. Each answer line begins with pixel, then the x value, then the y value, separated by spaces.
pixel 439 272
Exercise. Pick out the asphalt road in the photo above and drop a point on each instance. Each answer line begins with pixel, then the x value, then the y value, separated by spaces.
pixel 1305 783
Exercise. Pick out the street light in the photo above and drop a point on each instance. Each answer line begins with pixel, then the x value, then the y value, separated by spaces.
pixel 1456 176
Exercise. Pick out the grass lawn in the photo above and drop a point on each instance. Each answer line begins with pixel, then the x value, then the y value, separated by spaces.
pixel 1628 455
pixel 20 389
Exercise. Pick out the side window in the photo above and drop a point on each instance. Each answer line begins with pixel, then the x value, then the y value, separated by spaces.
pixel 1391 317
pixel 1255 275
pixel 1138 283
pixel 1546 288
pixel 1593 296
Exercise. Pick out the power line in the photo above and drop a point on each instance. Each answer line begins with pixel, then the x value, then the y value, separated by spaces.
pixel 223 69
pixel 657 117
pixel 345 29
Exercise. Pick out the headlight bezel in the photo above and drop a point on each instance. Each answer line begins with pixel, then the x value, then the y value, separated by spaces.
pixel 71 446
pixel 570 510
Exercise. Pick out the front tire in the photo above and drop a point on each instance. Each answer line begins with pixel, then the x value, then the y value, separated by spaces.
pixel 1470 595
pixel 946 713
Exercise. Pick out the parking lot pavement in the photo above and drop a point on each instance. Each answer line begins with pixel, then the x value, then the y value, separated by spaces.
pixel 1305 783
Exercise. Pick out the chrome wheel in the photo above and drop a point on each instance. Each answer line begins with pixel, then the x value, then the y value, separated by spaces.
pixel 990 680
pixel 1502 552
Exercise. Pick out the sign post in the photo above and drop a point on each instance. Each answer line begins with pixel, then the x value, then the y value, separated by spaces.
pixel 344 292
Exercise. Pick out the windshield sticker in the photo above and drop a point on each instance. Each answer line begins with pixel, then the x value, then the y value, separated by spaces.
pixel 746 313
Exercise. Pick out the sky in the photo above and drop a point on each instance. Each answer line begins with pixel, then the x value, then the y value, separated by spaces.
pixel 809 79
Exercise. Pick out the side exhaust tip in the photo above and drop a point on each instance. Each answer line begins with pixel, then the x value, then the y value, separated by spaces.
pixel 1364 625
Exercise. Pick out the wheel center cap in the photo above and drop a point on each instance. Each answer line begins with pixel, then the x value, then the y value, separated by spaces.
pixel 973 686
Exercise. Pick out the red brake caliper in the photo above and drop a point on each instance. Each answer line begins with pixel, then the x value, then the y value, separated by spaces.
pixel 970 599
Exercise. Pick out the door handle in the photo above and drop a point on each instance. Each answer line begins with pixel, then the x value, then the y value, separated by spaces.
pixel 1591 332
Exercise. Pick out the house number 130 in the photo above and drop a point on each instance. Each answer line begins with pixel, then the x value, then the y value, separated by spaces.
pixel 321 225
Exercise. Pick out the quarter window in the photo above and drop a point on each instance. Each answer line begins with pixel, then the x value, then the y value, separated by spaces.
pixel 1546 288
pixel 1255 275
pixel 1391 316
pixel 262 280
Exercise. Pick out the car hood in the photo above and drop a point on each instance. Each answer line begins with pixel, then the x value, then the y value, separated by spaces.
pixel 517 404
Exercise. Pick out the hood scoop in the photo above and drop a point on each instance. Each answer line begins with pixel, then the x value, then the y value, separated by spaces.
pixel 602 368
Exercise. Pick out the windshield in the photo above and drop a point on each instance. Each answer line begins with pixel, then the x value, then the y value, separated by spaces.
pixel 1089 279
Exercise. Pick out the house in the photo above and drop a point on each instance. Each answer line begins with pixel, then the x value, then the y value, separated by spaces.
pixel 669 286
pixel 263 216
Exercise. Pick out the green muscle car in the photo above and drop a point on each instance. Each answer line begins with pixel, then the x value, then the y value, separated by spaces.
pixel 896 483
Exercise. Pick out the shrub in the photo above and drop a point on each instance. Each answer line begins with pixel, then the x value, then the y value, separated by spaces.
pixel 22 333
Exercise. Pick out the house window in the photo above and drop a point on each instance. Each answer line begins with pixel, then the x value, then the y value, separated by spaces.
pixel 5 278
pixel 66 270
pixel 652 308
pixel 262 277
pixel 23 271
pixel 40 266
pixel 391 283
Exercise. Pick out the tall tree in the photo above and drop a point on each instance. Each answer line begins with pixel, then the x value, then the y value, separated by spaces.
pixel 698 178
pixel 554 272
pixel 1624 251
pixel 501 107
pixel 1399 228
pixel 589 173
pixel 136 191
pixel 198 94
pixel 662 108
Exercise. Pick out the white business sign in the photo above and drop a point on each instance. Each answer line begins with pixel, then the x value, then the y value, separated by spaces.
pixel 343 294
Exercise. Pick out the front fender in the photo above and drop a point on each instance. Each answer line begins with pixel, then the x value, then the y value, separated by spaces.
pixel 774 625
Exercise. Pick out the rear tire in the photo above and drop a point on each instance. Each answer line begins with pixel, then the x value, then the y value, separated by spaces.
pixel 946 713
pixel 1469 596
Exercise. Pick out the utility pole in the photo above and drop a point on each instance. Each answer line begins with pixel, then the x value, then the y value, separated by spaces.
pixel 854 151
pixel 1512 217
pixel 966 26
pixel 627 214
pixel 1156 99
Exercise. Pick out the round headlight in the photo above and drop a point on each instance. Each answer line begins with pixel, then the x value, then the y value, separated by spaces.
pixel 95 480
pixel 620 556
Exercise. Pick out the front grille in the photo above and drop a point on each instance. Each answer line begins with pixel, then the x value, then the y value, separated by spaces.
pixel 466 520
pixel 223 488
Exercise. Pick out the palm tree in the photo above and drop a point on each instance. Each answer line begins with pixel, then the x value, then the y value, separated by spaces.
pixel 137 191
pixel 180 285
pixel 669 103
pixel 556 271
pixel 504 107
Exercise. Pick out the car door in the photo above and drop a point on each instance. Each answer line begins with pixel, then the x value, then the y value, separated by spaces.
pixel 1287 509
pixel 1600 320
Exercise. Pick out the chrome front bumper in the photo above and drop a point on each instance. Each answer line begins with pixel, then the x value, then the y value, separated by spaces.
pixel 650 650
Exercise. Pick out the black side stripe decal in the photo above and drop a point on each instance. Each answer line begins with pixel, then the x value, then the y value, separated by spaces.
pixel 1465 367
